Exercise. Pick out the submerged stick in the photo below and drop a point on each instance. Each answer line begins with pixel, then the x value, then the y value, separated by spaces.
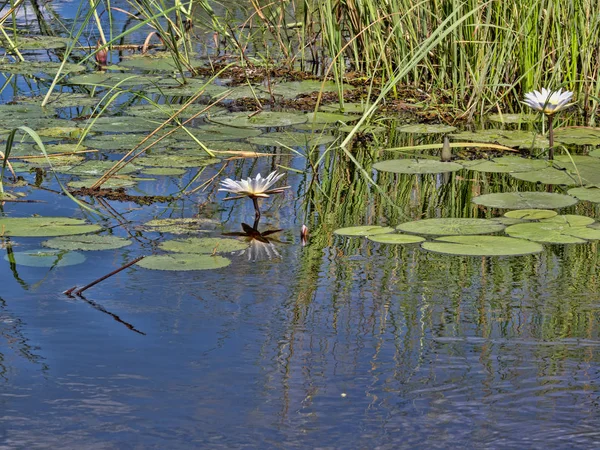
pixel 95 282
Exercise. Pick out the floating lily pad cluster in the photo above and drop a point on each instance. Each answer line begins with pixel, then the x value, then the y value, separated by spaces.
pixel 193 254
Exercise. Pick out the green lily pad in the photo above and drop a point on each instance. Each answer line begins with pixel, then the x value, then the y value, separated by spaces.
pixel 62 100
pixel 548 175
pixel 120 181
pixel 121 142
pixel 34 43
pixel 586 167
pixel 207 133
pixel 45 226
pixel 395 238
pixel 203 245
pixel 181 226
pixel 416 166
pixel 450 226
pixel 482 246
pixel 31 68
pixel 423 128
pixel 18 112
pixel 183 261
pixel 111 79
pixel 512 118
pixel 551 233
pixel 93 168
pixel 505 164
pixel 292 139
pixel 87 242
pixel 66 132
pixel 586 194
pixel 347 108
pixel 262 119
pixel 121 124
pixel 292 89
pixel 328 117
pixel 176 161
pixel 525 200
pixel 191 87
pixel 531 214
pixel 570 220
pixel 47 258
pixel 577 135
pixel 163 111
pixel 509 138
pixel 366 230
pixel 164 171
pixel 155 63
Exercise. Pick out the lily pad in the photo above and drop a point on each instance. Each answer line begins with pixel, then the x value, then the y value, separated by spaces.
pixel 449 226
pixel 34 43
pixel 262 119
pixel 551 233
pixel 87 242
pixel 292 89
pixel 121 142
pixel 176 161
pixel 164 171
pixel 94 168
pixel 292 139
pixel 525 200
pixel 347 108
pixel 47 258
pixel 482 246
pixel 328 117
pixel 45 226
pixel 577 135
pixel 548 175
pixel 586 194
pixel 206 133
pixel 62 100
pixel 509 138
pixel 121 124
pixel 181 226
pixel 203 245
pixel 416 166
pixel 40 68
pixel 505 164
pixel 366 230
pixel 395 238
pixel 586 167
pixel 512 118
pixel 191 87
pixel 423 128
pixel 570 220
pixel 183 261
pixel 111 79
pixel 164 111
pixel 155 63
pixel 531 214
pixel 119 181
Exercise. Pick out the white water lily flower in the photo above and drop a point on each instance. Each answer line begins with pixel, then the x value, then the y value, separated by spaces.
pixel 548 102
pixel 253 187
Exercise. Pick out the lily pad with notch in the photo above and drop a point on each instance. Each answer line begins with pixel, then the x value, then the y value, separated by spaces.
pixel 46 258
pixel 363 230
pixel 525 200
pixel 184 262
pixel 87 242
pixel 531 214
pixel 416 166
pixel 557 230
pixel 45 226
pixel 451 226
pixel 482 246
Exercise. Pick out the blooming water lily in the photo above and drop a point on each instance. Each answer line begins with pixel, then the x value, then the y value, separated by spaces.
pixel 549 103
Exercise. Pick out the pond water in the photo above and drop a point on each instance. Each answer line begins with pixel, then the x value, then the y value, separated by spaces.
pixel 340 343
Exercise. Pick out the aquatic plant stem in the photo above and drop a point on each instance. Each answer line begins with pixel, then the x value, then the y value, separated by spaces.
pixel 550 138
pixel 256 211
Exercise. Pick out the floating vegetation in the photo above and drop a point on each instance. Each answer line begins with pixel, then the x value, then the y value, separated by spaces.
pixel 512 118
pixel 46 258
pixel 505 164
pixel 292 89
pixel 121 124
pixel 292 139
pixel 34 43
pixel 219 133
pixel 183 261
pixel 482 246
pixel 395 238
pixel 321 117
pixel 548 175
pixel 263 119
pixel 451 226
pixel 416 166
pixel 364 230
pixel 509 138
pixel 163 171
pixel 568 229
pixel 157 62
pixel 531 214
pixel 577 135
pixel 92 168
pixel 590 194
pixel 176 161
pixel 45 226
pixel 525 200
pixel 423 128
pixel 203 245
pixel 181 226
pixel 40 68
pixel 87 242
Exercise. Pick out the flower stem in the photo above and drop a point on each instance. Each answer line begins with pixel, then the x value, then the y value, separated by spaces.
pixel 550 138
pixel 256 209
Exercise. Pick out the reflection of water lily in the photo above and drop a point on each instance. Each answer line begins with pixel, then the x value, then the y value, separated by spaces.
pixel 548 102
pixel 253 188
pixel 261 246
